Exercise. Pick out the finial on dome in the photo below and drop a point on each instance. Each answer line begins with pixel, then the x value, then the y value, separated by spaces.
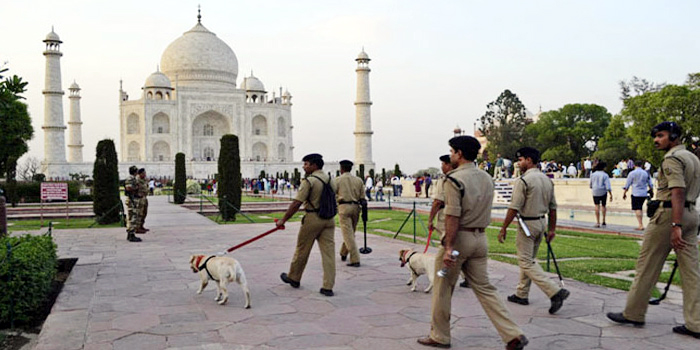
pixel 199 14
pixel 157 67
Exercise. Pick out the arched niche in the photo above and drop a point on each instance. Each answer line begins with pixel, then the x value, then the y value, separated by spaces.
pixel 161 123
pixel 134 152
pixel 161 151
pixel 132 124
pixel 259 125
pixel 207 129
pixel 259 152
pixel 281 152
pixel 281 127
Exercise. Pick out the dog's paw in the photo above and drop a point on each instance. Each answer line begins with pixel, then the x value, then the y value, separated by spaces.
pixel 223 301
pixel 199 291
pixel 409 283
pixel 427 290
pixel 247 306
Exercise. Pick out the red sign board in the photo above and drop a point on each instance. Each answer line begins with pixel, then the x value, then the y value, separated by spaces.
pixel 54 191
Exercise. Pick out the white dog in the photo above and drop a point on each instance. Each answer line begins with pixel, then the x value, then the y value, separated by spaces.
pixel 418 264
pixel 222 270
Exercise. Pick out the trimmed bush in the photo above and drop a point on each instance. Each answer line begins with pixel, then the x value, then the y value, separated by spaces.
pixel 193 187
pixel 26 277
pixel 106 184
pixel 229 187
pixel 180 187
pixel 30 192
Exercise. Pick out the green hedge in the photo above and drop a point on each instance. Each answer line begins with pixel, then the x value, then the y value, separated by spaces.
pixel 30 192
pixel 26 277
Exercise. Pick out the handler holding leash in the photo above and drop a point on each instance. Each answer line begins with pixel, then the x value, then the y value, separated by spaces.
pixel 673 225
pixel 533 197
pixel 313 228
pixel 468 211
pixel 349 190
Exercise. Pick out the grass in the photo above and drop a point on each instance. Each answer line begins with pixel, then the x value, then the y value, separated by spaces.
pixel 75 223
pixel 244 199
pixel 258 218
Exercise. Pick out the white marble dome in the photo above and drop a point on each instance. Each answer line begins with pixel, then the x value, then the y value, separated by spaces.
pixel 252 83
pixel 52 36
pixel 74 86
pixel 157 80
pixel 363 55
pixel 200 58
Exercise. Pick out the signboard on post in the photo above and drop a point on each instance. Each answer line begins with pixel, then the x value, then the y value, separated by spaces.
pixel 53 191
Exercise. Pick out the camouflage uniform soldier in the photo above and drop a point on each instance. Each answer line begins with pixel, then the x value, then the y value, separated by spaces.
pixel 142 200
pixel 131 187
pixel 674 225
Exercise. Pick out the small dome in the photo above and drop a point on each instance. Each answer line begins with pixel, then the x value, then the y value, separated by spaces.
pixel 74 86
pixel 286 93
pixel 157 80
pixel 252 83
pixel 52 37
pixel 362 55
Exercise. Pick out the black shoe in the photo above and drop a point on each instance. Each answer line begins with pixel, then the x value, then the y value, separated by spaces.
pixel 357 264
pixel 465 284
pixel 132 238
pixel 558 300
pixel 326 292
pixel 517 343
pixel 686 331
pixel 604 224
pixel 620 318
pixel 518 300
pixel 343 257
pixel 288 280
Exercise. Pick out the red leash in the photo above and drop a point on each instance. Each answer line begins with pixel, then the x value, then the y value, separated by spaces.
pixel 427 244
pixel 254 238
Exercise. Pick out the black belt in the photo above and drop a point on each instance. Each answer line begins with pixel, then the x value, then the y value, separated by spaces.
pixel 530 218
pixel 668 204
pixel 349 202
pixel 472 229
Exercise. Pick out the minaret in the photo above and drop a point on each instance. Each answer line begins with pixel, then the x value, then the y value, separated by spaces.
pixel 75 138
pixel 363 120
pixel 54 138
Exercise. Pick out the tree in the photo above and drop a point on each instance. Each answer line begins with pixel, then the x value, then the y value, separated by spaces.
pixel 230 177
pixel 571 132
pixel 397 170
pixel 15 123
pixel 384 175
pixel 615 143
pixel 11 181
pixel 503 124
pixel 106 183
pixel 180 186
pixel 371 174
pixel 361 171
pixel 637 86
pixel 28 169
pixel 680 104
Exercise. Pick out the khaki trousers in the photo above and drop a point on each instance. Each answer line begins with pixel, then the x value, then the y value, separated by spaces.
pixel 313 229
pixel 530 270
pixel 348 215
pixel 472 260
pixel 655 249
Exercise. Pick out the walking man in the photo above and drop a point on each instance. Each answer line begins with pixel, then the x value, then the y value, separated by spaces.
pixel 348 189
pixel 467 212
pixel 641 184
pixel 368 188
pixel 313 227
pixel 131 187
pixel 673 226
pixel 533 197
pixel 587 166
pixel 600 187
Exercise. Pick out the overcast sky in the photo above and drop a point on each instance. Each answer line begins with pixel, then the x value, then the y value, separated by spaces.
pixel 435 64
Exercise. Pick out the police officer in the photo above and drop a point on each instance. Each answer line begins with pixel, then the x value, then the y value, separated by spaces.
pixel 349 192
pixel 436 210
pixel 533 197
pixel 673 226
pixel 467 212
pixel 142 200
pixel 131 187
pixel 313 228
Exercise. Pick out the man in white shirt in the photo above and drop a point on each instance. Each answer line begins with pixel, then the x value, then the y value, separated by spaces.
pixel 571 171
pixel 368 188
pixel 587 166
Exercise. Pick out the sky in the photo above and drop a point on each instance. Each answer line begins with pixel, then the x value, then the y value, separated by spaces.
pixel 435 64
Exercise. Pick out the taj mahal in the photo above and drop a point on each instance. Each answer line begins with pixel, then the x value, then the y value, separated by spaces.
pixel 186 105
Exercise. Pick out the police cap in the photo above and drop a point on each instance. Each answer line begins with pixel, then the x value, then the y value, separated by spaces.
pixel 445 158
pixel 314 158
pixel 133 169
pixel 467 144
pixel 673 129
pixel 528 152
pixel 346 162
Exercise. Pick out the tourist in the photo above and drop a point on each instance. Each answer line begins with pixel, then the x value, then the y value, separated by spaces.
pixel 600 187
pixel 641 184
pixel 379 191
pixel 428 181
pixel 369 184
pixel 571 171
pixel 533 198
pixel 674 225
pixel 587 166
pixel 467 214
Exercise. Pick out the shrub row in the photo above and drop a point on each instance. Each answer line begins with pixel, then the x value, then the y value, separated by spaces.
pixel 30 192
pixel 26 276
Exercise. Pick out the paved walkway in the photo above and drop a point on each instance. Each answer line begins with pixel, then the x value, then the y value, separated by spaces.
pixel 124 295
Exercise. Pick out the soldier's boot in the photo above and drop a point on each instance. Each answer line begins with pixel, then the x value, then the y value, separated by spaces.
pixel 132 238
pixel 145 229
pixel 140 230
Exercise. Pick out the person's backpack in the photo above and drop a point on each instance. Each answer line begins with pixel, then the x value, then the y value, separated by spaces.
pixel 328 206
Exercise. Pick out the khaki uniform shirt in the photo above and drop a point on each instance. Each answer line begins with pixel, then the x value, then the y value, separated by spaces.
pixel 312 198
pixel 679 169
pixel 439 195
pixel 474 208
pixel 536 198
pixel 348 188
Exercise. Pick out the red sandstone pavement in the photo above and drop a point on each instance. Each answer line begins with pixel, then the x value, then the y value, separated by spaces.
pixel 124 295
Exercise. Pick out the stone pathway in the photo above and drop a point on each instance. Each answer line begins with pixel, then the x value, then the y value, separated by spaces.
pixel 124 295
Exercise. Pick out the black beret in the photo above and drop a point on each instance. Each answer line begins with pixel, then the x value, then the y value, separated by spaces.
pixel 445 158
pixel 528 152
pixel 133 169
pixel 312 156
pixel 142 170
pixel 346 162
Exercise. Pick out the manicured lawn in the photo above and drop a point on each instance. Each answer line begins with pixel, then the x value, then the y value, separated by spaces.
pixel 31 225
pixel 257 218
pixel 244 199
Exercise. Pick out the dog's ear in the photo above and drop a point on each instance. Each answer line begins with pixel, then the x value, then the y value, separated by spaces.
pixel 192 257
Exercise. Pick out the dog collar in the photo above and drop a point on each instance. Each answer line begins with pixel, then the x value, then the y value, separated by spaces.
pixel 204 266
pixel 406 260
